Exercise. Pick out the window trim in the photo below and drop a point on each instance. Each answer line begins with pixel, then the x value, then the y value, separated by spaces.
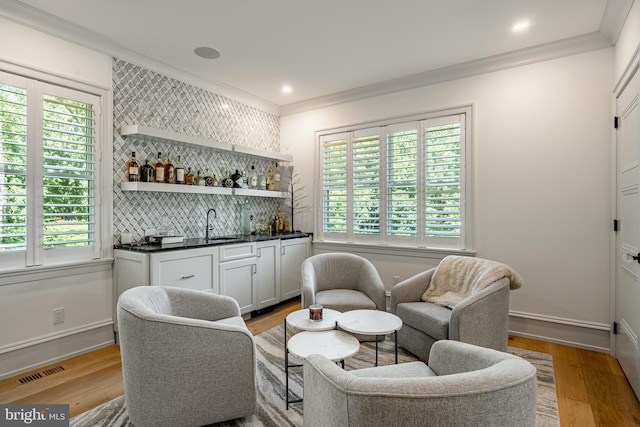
pixel 103 178
pixel 466 241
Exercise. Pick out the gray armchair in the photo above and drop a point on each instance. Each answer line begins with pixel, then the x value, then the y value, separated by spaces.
pixel 481 316
pixel 187 357
pixel 342 282
pixel 463 385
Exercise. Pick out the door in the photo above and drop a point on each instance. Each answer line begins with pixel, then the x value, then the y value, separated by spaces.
pixel 268 273
pixel 627 287
pixel 238 281
pixel 292 253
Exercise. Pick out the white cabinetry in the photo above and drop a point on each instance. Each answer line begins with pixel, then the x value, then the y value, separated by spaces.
pixel 256 274
pixel 237 274
pixel 191 269
pixel 292 253
pixel 268 273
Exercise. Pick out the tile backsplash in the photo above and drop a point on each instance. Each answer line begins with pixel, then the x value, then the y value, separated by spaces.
pixel 147 98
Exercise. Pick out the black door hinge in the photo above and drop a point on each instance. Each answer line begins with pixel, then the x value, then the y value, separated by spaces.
pixel 615 122
pixel 615 225
pixel 615 328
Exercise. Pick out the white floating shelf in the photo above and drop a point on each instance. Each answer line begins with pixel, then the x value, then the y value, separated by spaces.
pixel 153 135
pixel 196 189
pixel 158 135
pixel 259 193
pixel 174 188
pixel 262 153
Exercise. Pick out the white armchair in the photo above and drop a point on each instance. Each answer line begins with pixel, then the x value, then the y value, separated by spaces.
pixel 342 282
pixel 472 305
pixel 463 385
pixel 187 357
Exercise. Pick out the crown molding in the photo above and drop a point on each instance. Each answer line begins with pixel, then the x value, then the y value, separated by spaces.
pixel 544 52
pixel 38 20
pixel 615 14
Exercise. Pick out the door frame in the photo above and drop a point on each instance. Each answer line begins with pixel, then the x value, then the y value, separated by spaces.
pixel 629 73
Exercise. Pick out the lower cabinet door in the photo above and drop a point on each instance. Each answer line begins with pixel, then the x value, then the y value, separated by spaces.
pixel 191 269
pixel 238 280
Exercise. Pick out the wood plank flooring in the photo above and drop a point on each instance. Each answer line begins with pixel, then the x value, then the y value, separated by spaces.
pixel 591 388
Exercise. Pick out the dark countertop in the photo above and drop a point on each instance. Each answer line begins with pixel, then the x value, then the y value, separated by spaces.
pixel 202 242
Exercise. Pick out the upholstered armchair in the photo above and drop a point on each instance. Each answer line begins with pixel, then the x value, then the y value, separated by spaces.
pixel 342 282
pixel 463 385
pixel 187 357
pixel 463 299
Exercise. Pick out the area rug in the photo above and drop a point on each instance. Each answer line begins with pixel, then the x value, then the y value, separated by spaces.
pixel 271 390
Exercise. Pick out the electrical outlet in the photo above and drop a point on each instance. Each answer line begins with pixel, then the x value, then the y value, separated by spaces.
pixel 396 280
pixel 58 315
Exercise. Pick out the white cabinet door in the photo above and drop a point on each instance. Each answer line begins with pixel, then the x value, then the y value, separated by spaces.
pixel 268 273
pixel 191 269
pixel 238 280
pixel 292 253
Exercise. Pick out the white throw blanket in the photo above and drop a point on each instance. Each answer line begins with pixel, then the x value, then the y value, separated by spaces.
pixel 458 277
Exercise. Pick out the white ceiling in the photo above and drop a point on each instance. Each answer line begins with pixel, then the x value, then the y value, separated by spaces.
pixel 320 47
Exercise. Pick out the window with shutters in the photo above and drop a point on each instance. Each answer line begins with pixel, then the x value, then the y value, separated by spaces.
pixel 398 182
pixel 49 192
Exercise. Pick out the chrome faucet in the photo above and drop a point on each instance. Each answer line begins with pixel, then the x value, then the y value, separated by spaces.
pixel 215 215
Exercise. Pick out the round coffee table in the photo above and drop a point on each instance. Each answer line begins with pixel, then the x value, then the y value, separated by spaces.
pixel 334 345
pixel 300 320
pixel 371 322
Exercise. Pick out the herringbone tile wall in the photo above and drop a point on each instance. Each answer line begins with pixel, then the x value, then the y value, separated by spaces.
pixel 147 98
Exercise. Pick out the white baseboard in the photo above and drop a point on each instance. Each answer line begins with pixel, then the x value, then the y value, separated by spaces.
pixel 565 331
pixel 45 352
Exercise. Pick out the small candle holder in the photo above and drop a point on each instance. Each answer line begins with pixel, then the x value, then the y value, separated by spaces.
pixel 315 312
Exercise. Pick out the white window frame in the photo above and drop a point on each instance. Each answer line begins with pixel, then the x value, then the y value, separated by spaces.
pixel 38 82
pixel 463 243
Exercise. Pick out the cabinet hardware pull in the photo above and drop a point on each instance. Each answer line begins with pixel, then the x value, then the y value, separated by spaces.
pixel 188 277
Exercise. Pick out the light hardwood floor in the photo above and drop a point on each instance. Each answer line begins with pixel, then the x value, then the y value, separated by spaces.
pixel 591 388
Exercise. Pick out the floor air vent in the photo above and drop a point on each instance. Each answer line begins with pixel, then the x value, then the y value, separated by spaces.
pixel 32 377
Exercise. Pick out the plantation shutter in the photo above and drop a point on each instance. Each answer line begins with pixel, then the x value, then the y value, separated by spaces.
pixel 334 183
pixel 402 180
pixel 366 182
pixel 68 172
pixel 444 176
pixel 13 167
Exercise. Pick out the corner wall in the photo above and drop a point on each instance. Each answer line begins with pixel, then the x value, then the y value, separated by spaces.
pixel 542 184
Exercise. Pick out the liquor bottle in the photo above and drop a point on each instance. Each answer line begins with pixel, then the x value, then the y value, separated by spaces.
pixel 146 172
pixel 216 183
pixel 169 171
pixel 188 177
pixel 132 168
pixel 208 179
pixel 276 177
pixel 159 169
pixel 199 179
pixel 237 179
pixel 245 179
pixel 262 182
pixel 253 178
pixel 179 171
pixel 269 175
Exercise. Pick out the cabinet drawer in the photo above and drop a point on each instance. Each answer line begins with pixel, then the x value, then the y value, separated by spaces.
pixel 191 272
pixel 237 251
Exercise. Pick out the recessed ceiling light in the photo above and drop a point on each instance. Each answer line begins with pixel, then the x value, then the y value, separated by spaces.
pixel 207 52
pixel 287 89
pixel 520 26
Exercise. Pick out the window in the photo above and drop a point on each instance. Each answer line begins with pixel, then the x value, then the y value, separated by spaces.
pixel 400 182
pixel 49 197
